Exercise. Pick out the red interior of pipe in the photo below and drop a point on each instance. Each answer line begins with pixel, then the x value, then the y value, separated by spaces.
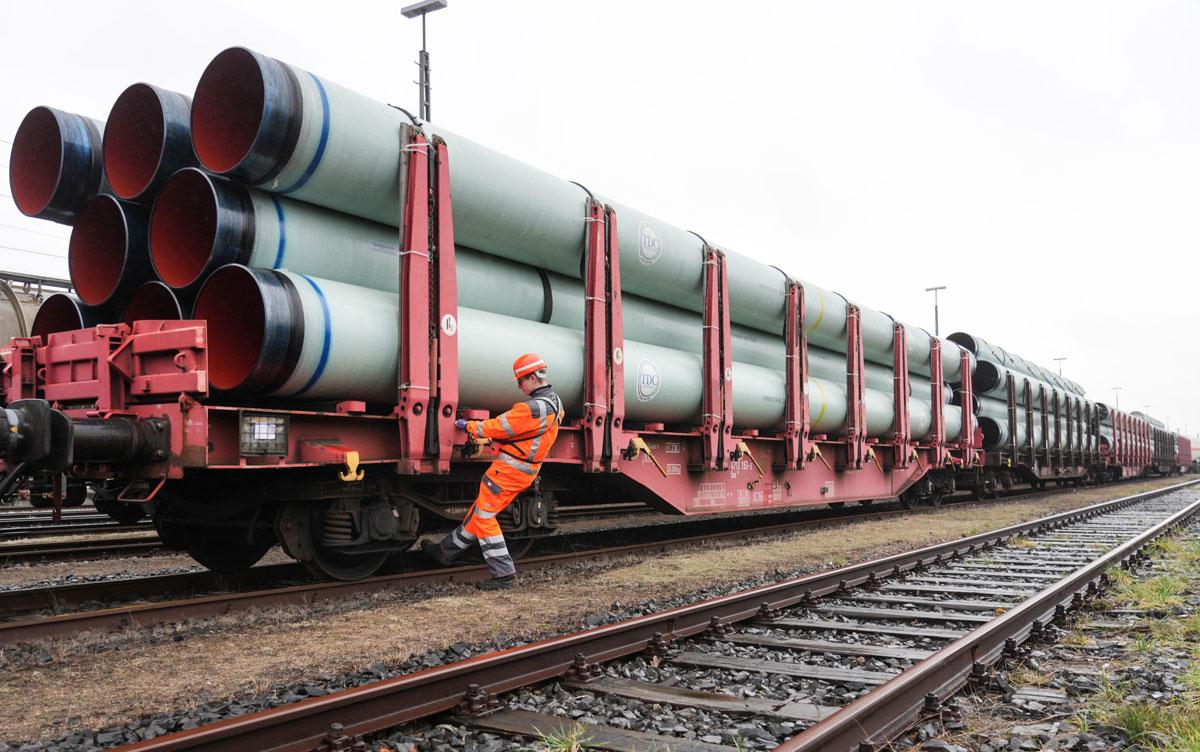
pixel 133 141
pixel 56 314
pixel 96 253
pixel 183 227
pixel 151 301
pixel 231 304
pixel 227 109
pixel 35 162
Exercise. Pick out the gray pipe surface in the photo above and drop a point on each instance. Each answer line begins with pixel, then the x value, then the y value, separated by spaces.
pixel 297 336
pixel 323 143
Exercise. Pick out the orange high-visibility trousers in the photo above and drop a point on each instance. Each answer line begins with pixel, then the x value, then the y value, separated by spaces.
pixel 502 483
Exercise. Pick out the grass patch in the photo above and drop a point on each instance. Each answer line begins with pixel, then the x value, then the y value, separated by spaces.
pixel 1026 676
pixel 1166 728
pixel 1022 542
pixel 1174 726
pixel 1075 637
pixel 563 740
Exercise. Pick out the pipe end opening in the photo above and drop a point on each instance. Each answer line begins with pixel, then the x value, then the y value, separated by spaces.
pixel 228 110
pixel 134 141
pixel 58 313
pixel 964 340
pixel 97 250
pixel 231 302
pixel 152 301
pixel 183 228
pixel 35 162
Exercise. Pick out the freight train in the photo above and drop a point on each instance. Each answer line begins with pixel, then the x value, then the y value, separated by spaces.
pixel 286 293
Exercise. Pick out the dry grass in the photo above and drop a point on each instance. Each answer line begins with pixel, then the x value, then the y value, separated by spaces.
pixel 232 656
pixel 1025 676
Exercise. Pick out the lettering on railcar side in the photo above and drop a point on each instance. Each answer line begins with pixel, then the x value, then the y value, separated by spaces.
pixel 710 494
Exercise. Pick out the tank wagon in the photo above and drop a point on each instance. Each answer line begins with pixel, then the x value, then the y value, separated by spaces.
pixel 309 400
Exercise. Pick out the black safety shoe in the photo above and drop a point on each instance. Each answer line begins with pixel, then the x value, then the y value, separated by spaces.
pixel 499 583
pixel 434 551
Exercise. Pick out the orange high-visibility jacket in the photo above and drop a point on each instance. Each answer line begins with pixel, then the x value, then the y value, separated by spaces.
pixel 523 435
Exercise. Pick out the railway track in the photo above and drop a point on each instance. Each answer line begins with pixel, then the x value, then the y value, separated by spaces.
pixel 200 594
pixel 267 592
pixel 150 543
pixel 839 660
pixel 30 516
pixel 70 528
pixel 11 553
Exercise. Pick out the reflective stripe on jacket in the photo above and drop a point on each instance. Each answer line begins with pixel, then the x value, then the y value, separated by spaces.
pixel 526 432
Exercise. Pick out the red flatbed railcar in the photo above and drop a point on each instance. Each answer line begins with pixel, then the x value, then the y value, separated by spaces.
pixel 343 486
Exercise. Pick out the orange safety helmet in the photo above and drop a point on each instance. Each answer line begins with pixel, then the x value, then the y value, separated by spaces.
pixel 527 364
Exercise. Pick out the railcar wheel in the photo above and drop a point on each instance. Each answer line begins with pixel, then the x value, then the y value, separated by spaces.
pixel 936 498
pixel 985 487
pixel 305 531
pixel 74 494
pixel 519 548
pixel 127 513
pixel 334 565
pixel 225 543
pixel 123 512
pixel 227 553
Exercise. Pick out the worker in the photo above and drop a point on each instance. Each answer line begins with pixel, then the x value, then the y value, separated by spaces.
pixel 521 439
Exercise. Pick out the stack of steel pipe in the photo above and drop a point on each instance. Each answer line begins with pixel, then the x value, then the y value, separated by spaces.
pixel 311 166
pixel 271 199
pixel 994 369
pixel 102 178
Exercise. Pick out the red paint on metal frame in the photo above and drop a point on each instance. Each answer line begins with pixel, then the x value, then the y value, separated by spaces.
pixel 415 365
pixel 717 399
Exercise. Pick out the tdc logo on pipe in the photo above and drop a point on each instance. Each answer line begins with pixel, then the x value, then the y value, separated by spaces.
pixel 650 245
pixel 649 381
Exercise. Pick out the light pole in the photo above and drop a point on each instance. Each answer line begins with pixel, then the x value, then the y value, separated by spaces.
pixel 1117 397
pixel 934 290
pixel 423 8
pixel 1060 360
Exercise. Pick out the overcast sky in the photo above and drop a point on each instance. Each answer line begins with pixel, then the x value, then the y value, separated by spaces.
pixel 1041 159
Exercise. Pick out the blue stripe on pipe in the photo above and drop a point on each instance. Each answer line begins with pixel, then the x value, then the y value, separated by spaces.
pixel 282 232
pixel 325 344
pixel 316 160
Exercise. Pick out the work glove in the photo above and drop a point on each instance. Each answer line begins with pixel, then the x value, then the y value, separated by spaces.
pixel 460 423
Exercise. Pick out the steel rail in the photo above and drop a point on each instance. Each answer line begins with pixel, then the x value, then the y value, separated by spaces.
pixel 301 726
pixel 78 549
pixel 71 528
pixel 873 719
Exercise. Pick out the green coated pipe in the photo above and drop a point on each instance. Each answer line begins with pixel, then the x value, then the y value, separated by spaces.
pixel 268 124
pixel 298 336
